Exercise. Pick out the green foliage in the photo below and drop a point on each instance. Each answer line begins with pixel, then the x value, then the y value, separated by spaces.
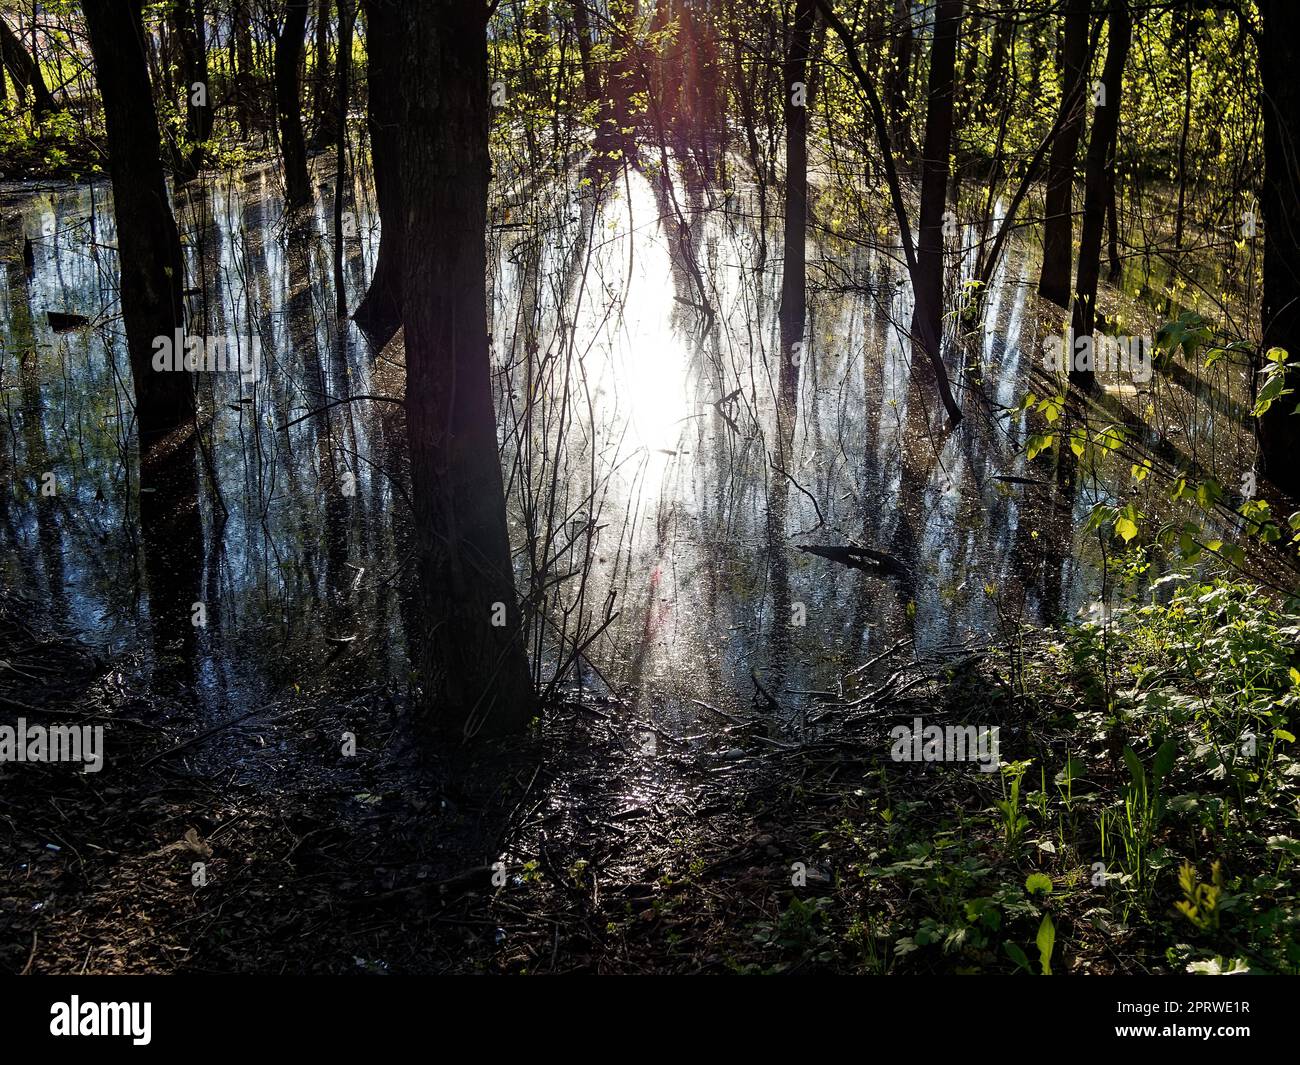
pixel 1183 759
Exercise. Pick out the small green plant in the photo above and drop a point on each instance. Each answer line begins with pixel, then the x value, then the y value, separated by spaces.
pixel 1014 822
pixel 1200 901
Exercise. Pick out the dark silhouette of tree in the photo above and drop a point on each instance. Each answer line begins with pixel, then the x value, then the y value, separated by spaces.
pixel 471 655
pixel 1280 202
pixel 379 314
pixel 1105 126
pixel 1058 222
pixel 151 287
pixel 927 280
pixel 929 339
pixel 25 72
pixel 794 268
pixel 288 104
pixel 188 17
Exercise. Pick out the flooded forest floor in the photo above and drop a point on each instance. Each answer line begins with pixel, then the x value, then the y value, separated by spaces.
pixel 713 786
pixel 611 859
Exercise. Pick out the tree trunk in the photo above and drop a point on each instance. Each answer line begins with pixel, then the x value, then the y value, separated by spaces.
pixel 900 71
pixel 152 281
pixel 471 659
pixel 342 72
pixel 1184 132
pixel 241 30
pixel 148 242
pixel 1280 201
pixel 380 313
pixel 878 120
pixel 1112 216
pixel 347 13
pixel 1105 125
pixel 25 72
pixel 1058 222
pixel 323 121
pixel 793 273
pixel 288 106
pixel 192 35
pixel 927 283
pixel 590 75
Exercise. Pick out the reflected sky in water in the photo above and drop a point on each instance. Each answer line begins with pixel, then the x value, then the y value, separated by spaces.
pixel 636 352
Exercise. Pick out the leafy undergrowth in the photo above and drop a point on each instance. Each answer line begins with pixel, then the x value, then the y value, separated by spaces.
pixel 1143 818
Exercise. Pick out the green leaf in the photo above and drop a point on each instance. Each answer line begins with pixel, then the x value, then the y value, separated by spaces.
pixel 1046 941
pixel 1038 443
pixel 1036 882
pixel 1018 956
pixel 1208 492
pixel 1136 772
pixel 1164 762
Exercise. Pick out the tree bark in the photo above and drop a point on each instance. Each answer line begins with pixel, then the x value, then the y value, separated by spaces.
pixel 380 312
pixel 25 72
pixel 342 70
pixel 582 26
pixel 150 290
pixel 288 105
pixel 1280 203
pixel 1105 126
pixel 191 32
pixel 148 243
pixel 927 284
pixel 794 270
pixel 474 672
pixel 1058 222
pixel 241 30
pixel 322 119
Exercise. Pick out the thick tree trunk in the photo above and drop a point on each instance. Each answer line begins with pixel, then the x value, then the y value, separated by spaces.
pixel 582 26
pixel 927 282
pixel 347 13
pixel 472 660
pixel 152 282
pixel 380 313
pixel 1058 223
pixel 1105 126
pixel 148 242
pixel 793 273
pixel 288 105
pixel 25 72
pixel 1280 201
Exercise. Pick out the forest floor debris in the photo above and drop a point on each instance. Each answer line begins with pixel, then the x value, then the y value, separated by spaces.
pixel 603 845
